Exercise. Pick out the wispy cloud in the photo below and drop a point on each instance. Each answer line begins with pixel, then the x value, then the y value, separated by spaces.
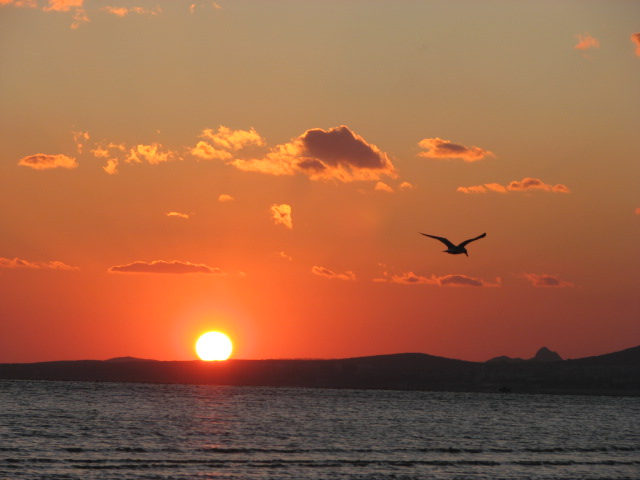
pixel 225 142
pixel 178 215
pixel 209 152
pixel 527 184
pixel 74 6
pixel 282 215
pixel 546 280
pixel 329 274
pixel 233 139
pixel 455 280
pixel 586 42
pixel 19 3
pixel 383 187
pixel 406 186
pixel 225 198
pixel 124 11
pixel 161 266
pixel 80 138
pixel 337 153
pixel 635 38
pixel 43 161
pixel 194 6
pixel 439 148
pixel 18 263
pixel 153 154
pixel 283 256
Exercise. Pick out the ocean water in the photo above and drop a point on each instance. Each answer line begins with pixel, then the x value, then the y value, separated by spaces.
pixel 67 430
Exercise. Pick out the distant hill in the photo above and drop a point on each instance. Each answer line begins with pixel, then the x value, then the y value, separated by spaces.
pixel 611 374
pixel 542 355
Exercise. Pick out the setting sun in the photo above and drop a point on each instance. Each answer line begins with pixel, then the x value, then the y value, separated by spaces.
pixel 214 346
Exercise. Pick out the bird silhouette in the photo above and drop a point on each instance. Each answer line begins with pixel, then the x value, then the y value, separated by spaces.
pixel 455 249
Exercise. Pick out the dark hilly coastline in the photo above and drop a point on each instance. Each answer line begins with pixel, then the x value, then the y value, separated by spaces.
pixel 615 373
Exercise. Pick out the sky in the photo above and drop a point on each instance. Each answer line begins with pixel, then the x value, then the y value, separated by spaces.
pixel 265 169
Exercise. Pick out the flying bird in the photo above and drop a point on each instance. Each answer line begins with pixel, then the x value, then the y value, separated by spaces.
pixel 455 249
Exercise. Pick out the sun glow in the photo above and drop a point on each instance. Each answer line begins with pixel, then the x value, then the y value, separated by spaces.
pixel 214 346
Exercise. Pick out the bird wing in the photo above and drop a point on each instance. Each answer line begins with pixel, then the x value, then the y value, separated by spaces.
pixel 472 239
pixel 442 239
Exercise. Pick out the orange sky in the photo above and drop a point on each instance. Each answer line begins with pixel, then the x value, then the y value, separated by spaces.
pixel 264 168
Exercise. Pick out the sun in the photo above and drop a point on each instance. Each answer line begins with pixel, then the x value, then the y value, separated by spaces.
pixel 214 346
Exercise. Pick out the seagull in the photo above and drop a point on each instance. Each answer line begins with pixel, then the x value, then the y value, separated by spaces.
pixel 455 249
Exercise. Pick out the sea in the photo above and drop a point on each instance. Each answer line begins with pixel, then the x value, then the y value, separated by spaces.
pixel 83 430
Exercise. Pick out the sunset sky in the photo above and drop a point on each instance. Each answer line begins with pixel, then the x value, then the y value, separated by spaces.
pixel 264 168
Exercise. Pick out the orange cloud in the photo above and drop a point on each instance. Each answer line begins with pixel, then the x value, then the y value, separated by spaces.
pixel 638 211
pixel 152 154
pixel 208 152
pixel 19 3
pixel 160 266
pixel 527 184
pixel 635 38
pixel 233 139
pixel 546 280
pixel 337 153
pixel 586 42
pixel 326 273
pixel 284 256
pixel 406 186
pixel 383 187
pixel 439 148
pixel 75 6
pixel 80 138
pixel 282 215
pixel 43 161
pixel 111 150
pixel 410 278
pixel 124 11
pixel 177 214
pixel 18 263
pixel 225 198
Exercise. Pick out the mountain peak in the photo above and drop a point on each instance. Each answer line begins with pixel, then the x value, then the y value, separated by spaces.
pixel 546 355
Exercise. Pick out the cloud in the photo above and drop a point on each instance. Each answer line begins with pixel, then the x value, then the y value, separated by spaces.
pixel 161 266
pixel 383 187
pixel 527 184
pixel 152 154
pixel 456 280
pixel 208 152
pixel 337 153
pixel 439 148
pixel 194 6
pixel 586 42
pixel 177 214
pixel 43 161
pixel 18 263
pixel 546 280
pixel 406 186
pixel 283 256
pixel 233 139
pixel 638 211
pixel 225 198
pixel 75 6
pixel 80 138
pixel 635 38
pixel 282 215
pixel 124 11
pixel 110 150
pixel 326 273
pixel 19 3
